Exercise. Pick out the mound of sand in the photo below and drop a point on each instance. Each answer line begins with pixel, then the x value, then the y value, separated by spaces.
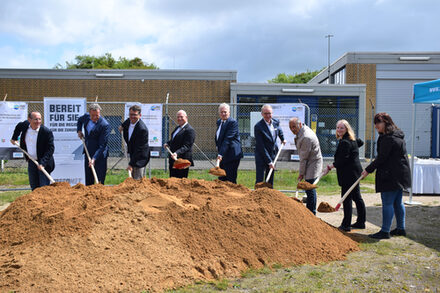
pixel 154 234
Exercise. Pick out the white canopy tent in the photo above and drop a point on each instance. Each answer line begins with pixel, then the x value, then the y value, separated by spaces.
pixel 423 93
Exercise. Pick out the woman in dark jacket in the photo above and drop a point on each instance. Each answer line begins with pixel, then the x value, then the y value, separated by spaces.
pixel 392 175
pixel 349 169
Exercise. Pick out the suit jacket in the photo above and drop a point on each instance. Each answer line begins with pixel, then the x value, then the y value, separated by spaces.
pixel 137 146
pixel 347 164
pixel 182 143
pixel 309 151
pixel 228 141
pixel 97 139
pixel 45 144
pixel 266 147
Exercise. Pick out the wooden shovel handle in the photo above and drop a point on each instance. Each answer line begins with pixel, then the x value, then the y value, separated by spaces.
pixel 36 163
pixel 274 162
pixel 88 157
pixel 347 193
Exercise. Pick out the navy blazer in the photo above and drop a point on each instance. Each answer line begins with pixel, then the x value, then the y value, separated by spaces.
pixel 137 146
pixel 97 139
pixel 182 143
pixel 265 145
pixel 228 141
pixel 45 144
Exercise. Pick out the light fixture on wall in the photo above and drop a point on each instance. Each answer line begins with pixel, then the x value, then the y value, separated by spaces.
pixel 109 75
pixel 297 90
pixel 414 58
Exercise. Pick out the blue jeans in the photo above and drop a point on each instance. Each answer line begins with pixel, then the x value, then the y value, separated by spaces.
pixel 36 177
pixel 311 197
pixel 392 205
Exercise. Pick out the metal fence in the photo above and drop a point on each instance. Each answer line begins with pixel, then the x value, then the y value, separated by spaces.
pixel 203 117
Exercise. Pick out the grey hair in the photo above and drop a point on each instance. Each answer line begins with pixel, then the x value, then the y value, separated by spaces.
pixel 183 112
pixel 266 106
pixel 95 107
pixel 296 120
pixel 224 105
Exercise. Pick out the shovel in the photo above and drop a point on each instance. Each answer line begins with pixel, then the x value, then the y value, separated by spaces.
pixel 217 171
pixel 307 186
pixel 179 163
pixel 124 145
pixel 326 208
pixel 88 157
pixel 267 184
pixel 36 163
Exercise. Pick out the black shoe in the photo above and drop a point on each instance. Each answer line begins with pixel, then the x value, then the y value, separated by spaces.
pixel 344 228
pixel 358 225
pixel 398 232
pixel 380 235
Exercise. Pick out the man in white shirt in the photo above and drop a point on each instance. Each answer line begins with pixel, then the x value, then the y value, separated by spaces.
pixel 38 141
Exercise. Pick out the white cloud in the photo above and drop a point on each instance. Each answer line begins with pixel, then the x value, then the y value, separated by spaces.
pixel 257 38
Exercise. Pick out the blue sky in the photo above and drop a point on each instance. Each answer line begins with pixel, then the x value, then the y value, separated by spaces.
pixel 259 39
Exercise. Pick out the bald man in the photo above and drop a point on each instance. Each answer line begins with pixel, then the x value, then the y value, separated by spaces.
pixel 180 144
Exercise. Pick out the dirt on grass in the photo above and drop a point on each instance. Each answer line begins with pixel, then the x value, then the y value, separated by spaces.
pixel 155 234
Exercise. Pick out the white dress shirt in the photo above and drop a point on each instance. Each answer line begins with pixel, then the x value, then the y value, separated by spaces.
pixel 179 129
pixel 271 128
pixel 31 141
pixel 130 129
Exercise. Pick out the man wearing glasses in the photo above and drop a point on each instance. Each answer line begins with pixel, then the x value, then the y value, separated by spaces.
pixel 267 130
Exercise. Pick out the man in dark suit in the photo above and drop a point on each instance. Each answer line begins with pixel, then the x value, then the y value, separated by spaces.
pixel 266 132
pixel 227 140
pixel 135 134
pixel 180 144
pixel 96 133
pixel 37 140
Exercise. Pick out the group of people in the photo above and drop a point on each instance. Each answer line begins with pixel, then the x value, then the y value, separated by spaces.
pixel 391 163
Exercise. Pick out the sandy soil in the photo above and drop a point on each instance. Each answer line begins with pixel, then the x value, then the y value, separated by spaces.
pixel 155 234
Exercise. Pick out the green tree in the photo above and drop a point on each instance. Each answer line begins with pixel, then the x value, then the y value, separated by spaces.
pixel 303 77
pixel 106 61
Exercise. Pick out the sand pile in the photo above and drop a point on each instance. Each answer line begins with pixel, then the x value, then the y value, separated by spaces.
pixel 154 234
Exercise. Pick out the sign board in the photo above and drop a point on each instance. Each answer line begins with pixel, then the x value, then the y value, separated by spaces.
pixel 61 116
pixel 283 112
pixel 151 114
pixel 11 113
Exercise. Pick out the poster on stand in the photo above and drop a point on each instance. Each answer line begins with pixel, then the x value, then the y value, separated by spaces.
pixel 11 113
pixel 61 115
pixel 151 114
pixel 283 112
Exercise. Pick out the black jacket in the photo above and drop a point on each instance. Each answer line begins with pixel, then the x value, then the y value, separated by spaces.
pixel 347 164
pixel 45 144
pixel 393 172
pixel 137 146
pixel 182 143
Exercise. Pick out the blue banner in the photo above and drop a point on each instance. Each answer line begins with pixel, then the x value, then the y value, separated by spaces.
pixel 427 92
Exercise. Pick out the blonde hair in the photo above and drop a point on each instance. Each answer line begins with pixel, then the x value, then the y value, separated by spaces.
pixel 351 135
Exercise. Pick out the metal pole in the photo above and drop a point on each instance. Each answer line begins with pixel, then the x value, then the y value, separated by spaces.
pixel 410 202
pixel 3 166
pixel 372 131
pixel 328 58
pixel 166 126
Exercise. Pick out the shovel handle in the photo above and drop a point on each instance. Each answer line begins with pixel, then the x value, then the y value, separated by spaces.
pixel 88 157
pixel 274 162
pixel 347 193
pixel 36 163
pixel 217 163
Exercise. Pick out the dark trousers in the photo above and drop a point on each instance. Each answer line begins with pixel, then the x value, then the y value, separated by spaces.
pixel 355 195
pixel 178 173
pixel 36 177
pixel 311 197
pixel 100 168
pixel 230 168
pixel 261 172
